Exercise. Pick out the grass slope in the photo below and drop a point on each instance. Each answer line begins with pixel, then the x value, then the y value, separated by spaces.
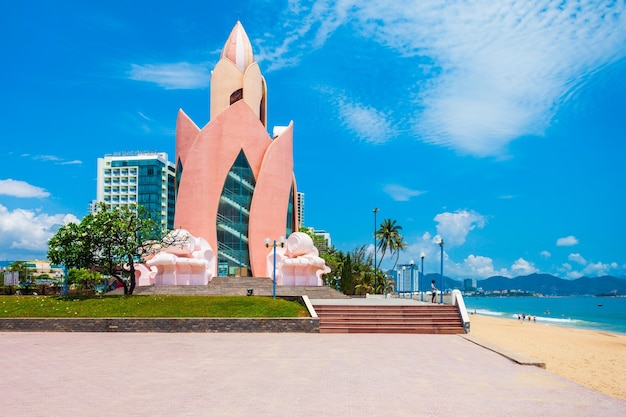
pixel 149 306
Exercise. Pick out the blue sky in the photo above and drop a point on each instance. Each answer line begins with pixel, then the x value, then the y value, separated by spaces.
pixel 499 126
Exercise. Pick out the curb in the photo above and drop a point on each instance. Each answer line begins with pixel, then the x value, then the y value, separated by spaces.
pixel 516 357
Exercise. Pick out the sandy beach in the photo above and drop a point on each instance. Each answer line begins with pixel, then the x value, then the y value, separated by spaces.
pixel 594 359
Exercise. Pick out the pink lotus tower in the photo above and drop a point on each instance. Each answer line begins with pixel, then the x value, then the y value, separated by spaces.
pixel 235 185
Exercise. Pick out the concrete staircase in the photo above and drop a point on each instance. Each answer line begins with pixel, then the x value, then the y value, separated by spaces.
pixel 238 286
pixel 420 318
pixel 337 312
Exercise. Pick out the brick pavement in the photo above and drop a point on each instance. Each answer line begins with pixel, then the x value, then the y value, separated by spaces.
pixel 277 374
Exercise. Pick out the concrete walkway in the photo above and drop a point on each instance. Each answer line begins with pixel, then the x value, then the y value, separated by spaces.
pixel 277 374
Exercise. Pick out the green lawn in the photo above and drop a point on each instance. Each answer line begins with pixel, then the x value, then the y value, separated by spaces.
pixel 148 306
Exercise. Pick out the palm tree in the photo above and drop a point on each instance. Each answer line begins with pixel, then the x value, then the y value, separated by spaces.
pixel 390 239
pixel 398 247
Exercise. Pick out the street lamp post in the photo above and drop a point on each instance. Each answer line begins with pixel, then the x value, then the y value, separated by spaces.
pixel 280 242
pixel 412 264
pixel 422 255
pixel 441 245
pixel 375 249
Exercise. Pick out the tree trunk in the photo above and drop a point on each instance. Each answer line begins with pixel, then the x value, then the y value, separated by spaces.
pixel 132 277
pixel 121 281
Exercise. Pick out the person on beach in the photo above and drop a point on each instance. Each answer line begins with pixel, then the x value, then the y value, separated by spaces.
pixel 433 289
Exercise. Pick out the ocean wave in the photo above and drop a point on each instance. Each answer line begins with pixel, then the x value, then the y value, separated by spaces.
pixel 561 321
pixel 573 312
pixel 544 319
pixel 490 313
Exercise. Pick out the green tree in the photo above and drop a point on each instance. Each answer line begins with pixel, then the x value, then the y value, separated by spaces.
pixel 362 270
pixel 333 261
pixel 83 278
pixel 347 280
pixel 110 241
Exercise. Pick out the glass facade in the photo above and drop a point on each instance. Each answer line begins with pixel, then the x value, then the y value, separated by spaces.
pixel 290 209
pixel 233 218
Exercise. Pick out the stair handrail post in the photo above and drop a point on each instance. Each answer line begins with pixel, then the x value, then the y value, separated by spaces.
pixel 412 265
pixel 422 255
pixel 441 289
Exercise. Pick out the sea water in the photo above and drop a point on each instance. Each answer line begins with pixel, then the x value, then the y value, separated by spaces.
pixel 594 313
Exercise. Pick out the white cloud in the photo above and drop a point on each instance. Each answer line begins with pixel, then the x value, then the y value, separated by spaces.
pixel 589 269
pixel 400 193
pixel 574 275
pixel 498 70
pixel 454 227
pixel 21 189
pixel 523 267
pixel 576 257
pixel 597 269
pixel 368 123
pixel 474 266
pixel 177 76
pixel 23 231
pixel 545 254
pixel 480 267
pixel 567 241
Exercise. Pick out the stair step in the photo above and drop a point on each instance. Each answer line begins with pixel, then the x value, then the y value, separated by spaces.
pixel 425 319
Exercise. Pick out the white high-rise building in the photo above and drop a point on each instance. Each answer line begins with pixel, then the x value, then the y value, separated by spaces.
pixel 300 210
pixel 143 178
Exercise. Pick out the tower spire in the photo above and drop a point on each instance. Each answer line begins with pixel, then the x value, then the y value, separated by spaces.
pixel 238 48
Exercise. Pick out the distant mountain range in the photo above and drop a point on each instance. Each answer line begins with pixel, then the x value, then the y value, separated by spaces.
pixel 545 284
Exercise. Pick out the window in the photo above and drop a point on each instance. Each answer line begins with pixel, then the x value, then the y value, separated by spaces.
pixel 236 96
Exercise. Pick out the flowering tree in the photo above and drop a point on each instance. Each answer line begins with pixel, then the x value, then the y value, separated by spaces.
pixel 110 241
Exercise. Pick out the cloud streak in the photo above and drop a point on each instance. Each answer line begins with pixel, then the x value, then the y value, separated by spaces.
pixel 174 76
pixel 400 193
pixel 496 71
pixel 368 124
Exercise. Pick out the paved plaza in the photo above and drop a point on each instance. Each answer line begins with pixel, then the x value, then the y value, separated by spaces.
pixel 277 374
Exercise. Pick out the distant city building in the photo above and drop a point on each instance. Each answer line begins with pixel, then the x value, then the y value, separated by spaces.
pixel 392 274
pixel 407 278
pixel 321 239
pixel 36 268
pixel 300 210
pixel 143 178
pixel 469 284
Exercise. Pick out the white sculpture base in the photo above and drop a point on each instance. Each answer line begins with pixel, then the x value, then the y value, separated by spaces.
pixel 298 263
pixel 192 262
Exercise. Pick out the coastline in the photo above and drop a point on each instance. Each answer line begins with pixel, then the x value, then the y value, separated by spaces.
pixel 595 359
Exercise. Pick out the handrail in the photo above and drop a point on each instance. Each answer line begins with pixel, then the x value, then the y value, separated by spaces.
pixel 457 299
pixel 229 226
pixel 240 179
pixel 235 201
pixel 227 252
